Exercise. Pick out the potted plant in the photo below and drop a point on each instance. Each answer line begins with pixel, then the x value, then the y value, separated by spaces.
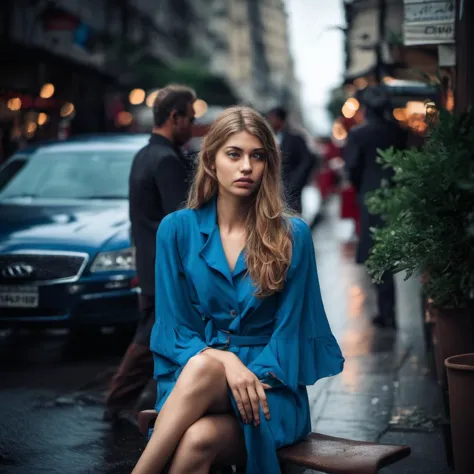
pixel 461 395
pixel 428 210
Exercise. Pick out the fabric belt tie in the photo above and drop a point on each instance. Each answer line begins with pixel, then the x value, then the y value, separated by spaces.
pixel 237 340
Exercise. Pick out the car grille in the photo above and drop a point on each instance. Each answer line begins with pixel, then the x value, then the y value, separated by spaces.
pixel 45 267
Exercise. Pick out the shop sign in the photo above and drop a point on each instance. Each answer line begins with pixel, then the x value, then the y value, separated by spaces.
pixel 429 22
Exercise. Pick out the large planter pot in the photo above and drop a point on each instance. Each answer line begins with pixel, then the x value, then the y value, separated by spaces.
pixel 460 369
pixel 454 335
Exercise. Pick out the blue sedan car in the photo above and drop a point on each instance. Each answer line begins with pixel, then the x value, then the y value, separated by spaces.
pixel 66 258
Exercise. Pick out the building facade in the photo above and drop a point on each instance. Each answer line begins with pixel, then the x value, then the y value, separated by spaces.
pixel 247 43
pixel 91 53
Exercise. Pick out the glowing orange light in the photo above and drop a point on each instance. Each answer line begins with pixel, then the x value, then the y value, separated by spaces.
pixel 67 109
pixel 151 98
pixel 42 118
pixel 339 132
pixel 47 91
pixel 124 119
pixel 14 104
pixel 399 114
pixel 361 83
pixel 136 96
pixel 200 107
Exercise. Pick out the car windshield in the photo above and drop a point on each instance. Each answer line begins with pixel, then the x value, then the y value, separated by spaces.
pixel 67 174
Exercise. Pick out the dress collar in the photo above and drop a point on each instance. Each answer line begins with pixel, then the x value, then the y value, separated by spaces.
pixel 212 251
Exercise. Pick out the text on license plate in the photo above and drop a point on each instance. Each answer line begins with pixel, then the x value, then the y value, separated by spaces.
pixel 19 296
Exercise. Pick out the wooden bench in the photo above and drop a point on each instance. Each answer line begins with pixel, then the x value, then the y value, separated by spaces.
pixel 324 453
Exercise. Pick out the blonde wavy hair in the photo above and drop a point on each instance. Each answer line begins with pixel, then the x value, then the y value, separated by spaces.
pixel 268 245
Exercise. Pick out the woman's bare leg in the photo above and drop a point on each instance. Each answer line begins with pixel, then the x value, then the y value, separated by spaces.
pixel 213 439
pixel 201 388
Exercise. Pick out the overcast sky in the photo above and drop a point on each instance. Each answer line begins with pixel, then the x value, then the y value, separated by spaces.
pixel 318 54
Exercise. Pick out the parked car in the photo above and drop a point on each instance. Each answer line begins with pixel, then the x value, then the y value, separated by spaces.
pixel 66 258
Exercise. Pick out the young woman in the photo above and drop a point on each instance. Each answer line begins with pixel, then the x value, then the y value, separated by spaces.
pixel 240 325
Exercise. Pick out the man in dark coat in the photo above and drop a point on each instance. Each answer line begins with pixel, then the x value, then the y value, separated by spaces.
pixel 298 160
pixel 367 175
pixel 158 185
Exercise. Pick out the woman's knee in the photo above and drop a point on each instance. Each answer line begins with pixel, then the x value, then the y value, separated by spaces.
pixel 201 437
pixel 202 369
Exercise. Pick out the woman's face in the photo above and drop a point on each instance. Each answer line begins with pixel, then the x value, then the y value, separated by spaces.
pixel 240 164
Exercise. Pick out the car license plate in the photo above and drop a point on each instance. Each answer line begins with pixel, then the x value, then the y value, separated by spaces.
pixel 19 296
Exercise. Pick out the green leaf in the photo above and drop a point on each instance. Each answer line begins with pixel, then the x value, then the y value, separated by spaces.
pixel 428 211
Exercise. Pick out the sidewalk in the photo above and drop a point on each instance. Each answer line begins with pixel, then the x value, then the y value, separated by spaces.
pixel 387 392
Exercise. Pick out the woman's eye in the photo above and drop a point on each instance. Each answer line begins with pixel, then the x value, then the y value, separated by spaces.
pixel 232 154
pixel 259 156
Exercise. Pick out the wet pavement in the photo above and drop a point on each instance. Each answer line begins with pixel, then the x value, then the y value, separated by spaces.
pixel 51 388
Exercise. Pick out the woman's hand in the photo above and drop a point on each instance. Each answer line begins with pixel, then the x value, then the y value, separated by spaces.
pixel 248 391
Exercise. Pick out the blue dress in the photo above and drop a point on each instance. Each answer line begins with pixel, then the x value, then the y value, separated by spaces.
pixel 200 303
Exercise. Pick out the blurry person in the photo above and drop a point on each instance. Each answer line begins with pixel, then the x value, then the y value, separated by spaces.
pixel 366 175
pixel 297 159
pixel 240 324
pixel 158 185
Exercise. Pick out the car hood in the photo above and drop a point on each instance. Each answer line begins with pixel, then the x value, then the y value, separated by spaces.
pixel 80 226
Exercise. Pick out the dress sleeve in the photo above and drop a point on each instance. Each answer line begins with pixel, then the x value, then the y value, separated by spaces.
pixel 177 334
pixel 302 349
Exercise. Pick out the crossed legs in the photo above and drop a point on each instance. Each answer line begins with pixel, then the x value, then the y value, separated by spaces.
pixel 196 427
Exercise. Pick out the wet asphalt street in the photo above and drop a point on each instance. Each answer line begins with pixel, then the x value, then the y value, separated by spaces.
pixel 51 406
pixel 52 388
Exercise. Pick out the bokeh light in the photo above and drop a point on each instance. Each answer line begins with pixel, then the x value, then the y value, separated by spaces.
pixel 47 91
pixel 136 96
pixel 200 107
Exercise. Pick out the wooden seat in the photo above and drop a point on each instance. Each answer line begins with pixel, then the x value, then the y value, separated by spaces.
pixel 324 453
pixel 341 456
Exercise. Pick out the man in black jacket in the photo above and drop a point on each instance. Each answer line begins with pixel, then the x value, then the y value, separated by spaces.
pixel 367 175
pixel 158 185
pixel 297 160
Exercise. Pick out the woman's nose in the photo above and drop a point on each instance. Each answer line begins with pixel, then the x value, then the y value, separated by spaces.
pixel 246 164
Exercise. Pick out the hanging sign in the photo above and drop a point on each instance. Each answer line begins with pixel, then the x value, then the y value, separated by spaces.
pixel 429 22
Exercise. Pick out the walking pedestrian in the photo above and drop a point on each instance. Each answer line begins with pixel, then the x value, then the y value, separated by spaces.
pixel 297 159
pixel 240 328
pixel 366 175
pixel 158 185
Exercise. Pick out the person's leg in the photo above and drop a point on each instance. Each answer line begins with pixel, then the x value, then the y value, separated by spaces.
pixel 132 376
pixel 200 389
pixel 147 399
pixel 212 440
pixel 135 370
pixel 386 301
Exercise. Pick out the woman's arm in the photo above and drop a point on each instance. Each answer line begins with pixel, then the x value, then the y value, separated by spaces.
pixel 178 333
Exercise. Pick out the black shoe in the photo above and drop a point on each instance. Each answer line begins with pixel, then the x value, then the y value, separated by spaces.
pixel 384 322
pixel 122 418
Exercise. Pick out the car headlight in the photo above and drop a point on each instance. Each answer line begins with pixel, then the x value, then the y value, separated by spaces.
pixel 113 261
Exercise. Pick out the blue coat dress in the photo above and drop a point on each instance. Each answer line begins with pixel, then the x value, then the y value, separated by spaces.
pixel 200 303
